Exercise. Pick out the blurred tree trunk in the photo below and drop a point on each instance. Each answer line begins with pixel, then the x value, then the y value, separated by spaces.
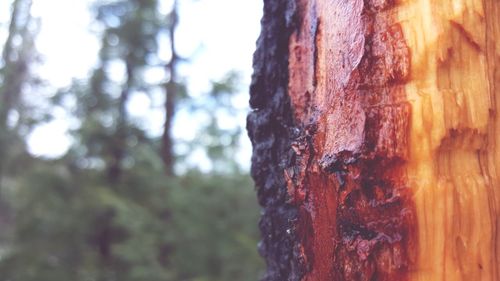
pixel 376 139
pixel 171 93
pixel 119 148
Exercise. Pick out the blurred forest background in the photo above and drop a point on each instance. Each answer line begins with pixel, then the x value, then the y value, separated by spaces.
pixel 122 203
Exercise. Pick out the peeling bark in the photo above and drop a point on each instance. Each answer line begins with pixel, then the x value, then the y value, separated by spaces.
pixel 376 139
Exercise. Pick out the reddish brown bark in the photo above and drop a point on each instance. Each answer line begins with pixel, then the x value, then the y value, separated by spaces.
pixel 345 174
pixel 355 209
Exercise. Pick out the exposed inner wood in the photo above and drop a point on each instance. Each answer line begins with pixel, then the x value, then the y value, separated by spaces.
pixel 395 173
pixel 455 136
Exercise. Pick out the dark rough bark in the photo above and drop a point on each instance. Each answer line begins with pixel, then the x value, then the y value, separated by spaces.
pixel 270 127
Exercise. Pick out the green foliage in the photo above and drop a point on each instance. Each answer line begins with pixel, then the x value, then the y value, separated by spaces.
pixel 211 217
pixel 195 227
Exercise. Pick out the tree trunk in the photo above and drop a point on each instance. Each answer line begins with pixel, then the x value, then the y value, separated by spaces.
pixel 119 142
pixel 377 139
pixel 171 93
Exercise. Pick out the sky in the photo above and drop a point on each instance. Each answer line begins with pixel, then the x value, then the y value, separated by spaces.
pixel 219 36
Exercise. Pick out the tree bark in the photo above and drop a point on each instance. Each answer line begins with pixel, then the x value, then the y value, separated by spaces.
pixel 376 139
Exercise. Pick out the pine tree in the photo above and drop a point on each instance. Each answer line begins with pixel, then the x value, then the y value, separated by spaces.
pixel 18 55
